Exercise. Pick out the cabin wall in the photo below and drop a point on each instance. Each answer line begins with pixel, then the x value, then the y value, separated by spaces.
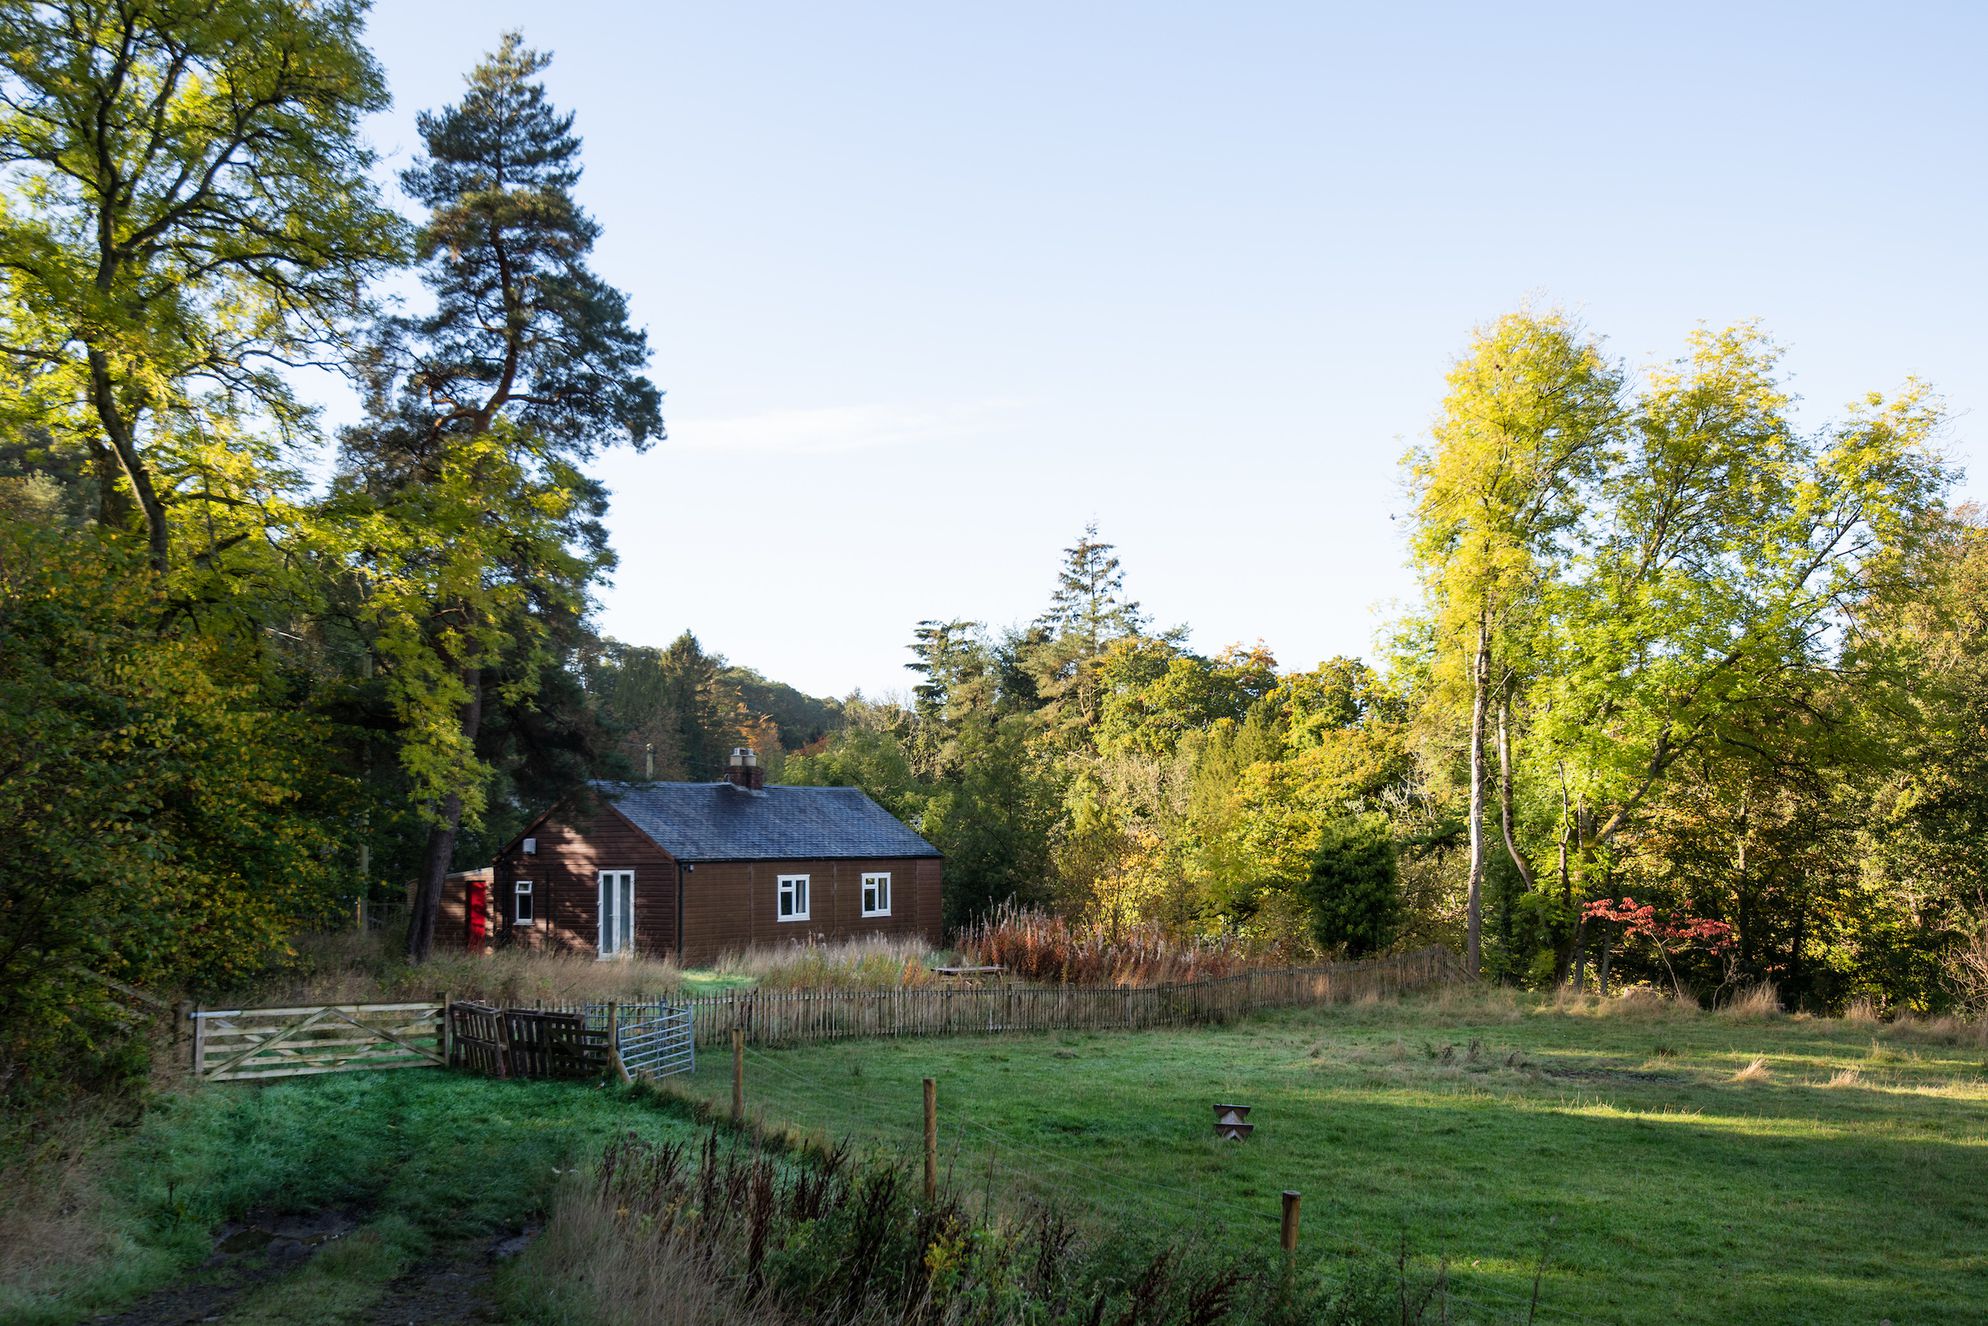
pixel 734 905
pixel 574 845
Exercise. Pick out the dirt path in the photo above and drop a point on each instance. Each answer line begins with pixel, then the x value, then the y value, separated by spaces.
pixel 252 1251
pixel 451 1288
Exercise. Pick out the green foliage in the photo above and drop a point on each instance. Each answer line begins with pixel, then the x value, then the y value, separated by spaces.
pixel 993 823
pixel 189 209
pixel 169 822
pixel 1353 889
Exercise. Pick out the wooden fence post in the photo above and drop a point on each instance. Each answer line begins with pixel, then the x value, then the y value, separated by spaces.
pixel 442 1033
pixel 1288 1235
pixel 199 1041
pixel 503 1042
pixel 931 1141
pixel 614 1042
pixel 738 1076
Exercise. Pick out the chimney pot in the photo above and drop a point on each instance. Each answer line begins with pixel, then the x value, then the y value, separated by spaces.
pixel 744 770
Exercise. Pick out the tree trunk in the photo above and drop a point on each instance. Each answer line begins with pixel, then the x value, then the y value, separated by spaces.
pixel 1505 789
pixel 1480 698
pixel 441 849
pixel 103 395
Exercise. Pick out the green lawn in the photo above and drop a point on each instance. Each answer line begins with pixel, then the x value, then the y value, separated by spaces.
pixel 1662 1188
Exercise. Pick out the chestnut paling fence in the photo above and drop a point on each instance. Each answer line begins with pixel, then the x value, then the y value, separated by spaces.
pixel 784 1017
pixel 586 1040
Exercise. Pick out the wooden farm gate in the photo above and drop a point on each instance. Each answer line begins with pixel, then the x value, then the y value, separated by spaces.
pixel 250 1044
pixel 526 1042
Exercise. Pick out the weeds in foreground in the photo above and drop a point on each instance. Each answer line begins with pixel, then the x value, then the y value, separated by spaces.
pixel 725 1234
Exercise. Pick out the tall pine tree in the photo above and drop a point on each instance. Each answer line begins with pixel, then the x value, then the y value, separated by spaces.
pixel 483 411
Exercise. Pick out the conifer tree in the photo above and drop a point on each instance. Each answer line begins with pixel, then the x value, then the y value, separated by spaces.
pixel 487 534
pixel 1086 613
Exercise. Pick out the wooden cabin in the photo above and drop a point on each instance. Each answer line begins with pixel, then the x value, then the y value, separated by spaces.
pixel 694 870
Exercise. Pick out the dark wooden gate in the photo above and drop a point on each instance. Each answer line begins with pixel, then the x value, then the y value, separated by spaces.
pixel 525 1042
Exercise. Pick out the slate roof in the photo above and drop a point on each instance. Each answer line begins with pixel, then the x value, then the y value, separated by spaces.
pixel 720 822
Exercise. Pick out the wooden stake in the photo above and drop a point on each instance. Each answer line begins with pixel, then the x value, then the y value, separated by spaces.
pixel 931 1141
pixel 1289 1234
pixel 738 1076
pixel 442 1036
pixel 614 1063
pixel 199 1042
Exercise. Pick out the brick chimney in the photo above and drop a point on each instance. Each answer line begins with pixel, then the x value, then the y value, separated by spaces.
pixel 744 771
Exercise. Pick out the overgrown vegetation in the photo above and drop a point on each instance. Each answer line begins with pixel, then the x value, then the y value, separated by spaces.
pixel 419 1164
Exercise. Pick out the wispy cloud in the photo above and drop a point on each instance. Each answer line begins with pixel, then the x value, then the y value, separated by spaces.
pixel 829 429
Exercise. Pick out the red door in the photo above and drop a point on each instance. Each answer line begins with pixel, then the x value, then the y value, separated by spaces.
pixel 477 904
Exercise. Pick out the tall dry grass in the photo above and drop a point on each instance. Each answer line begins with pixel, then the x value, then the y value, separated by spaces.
pixel 624 1275
pixel 1039 946
pixel 1756 1070
pixel 331 969
pixel 1753 1003
pixel 872 963
pixel 352 968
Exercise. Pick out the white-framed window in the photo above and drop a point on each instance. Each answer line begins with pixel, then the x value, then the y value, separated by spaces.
pixel 617 900
pixel 521 912
pixel 876 894
pixel 793 904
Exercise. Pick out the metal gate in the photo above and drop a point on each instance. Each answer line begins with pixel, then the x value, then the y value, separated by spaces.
pixel 660 1046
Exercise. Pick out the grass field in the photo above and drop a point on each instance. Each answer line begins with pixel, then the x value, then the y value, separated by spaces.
pixel 1673 1166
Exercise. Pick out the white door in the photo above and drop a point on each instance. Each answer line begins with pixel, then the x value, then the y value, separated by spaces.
pixel 617 912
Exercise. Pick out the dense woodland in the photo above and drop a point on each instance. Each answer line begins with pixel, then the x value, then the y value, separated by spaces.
pixel 1694 695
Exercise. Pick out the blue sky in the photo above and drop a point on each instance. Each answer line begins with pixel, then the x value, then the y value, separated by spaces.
pixel 931 287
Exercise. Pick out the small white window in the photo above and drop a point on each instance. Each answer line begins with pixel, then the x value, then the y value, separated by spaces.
pixel 530 847
pixel 876 895
pixel 793 898
pixel 523 892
